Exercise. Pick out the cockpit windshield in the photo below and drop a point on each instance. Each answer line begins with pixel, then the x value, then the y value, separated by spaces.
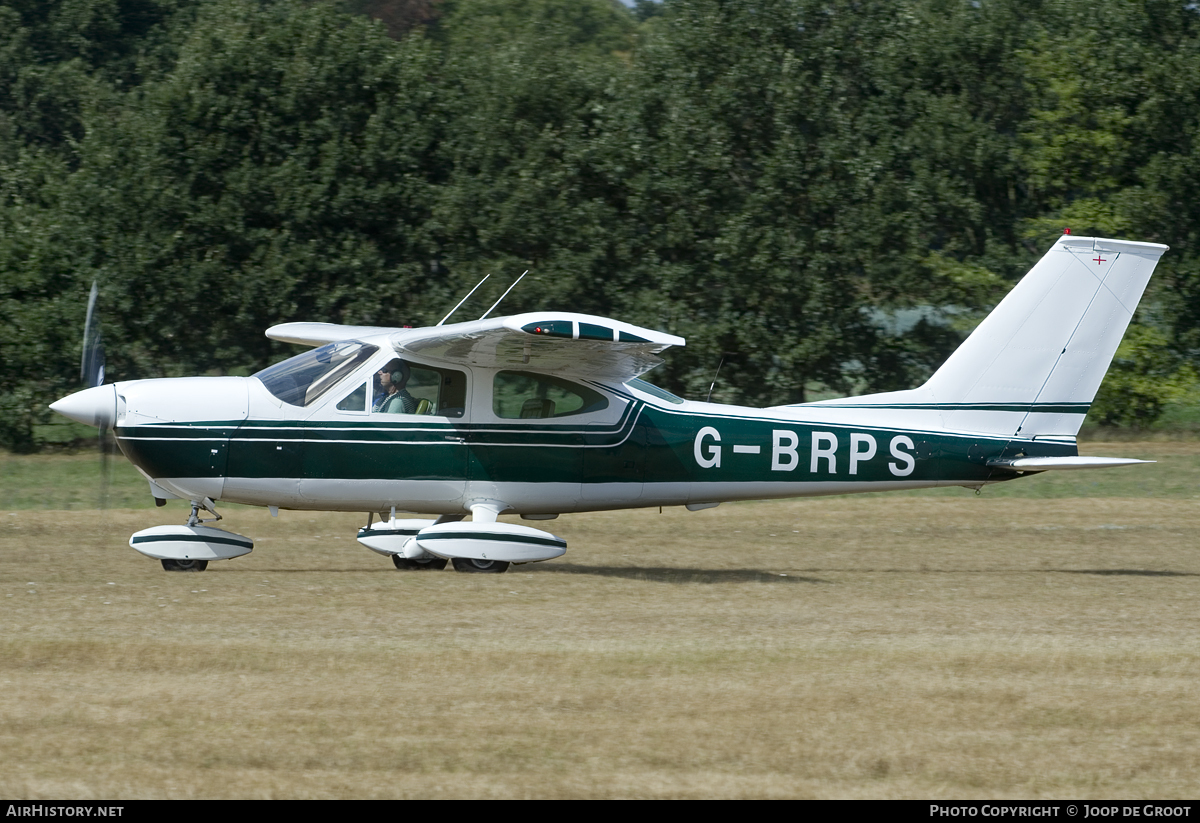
pixel 302 379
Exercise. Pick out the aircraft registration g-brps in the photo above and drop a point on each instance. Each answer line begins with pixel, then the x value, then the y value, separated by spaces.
pixel 545 413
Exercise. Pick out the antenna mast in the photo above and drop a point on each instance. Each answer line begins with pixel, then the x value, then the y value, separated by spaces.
pixel 464 300
pixel 714 380
pixel 510 288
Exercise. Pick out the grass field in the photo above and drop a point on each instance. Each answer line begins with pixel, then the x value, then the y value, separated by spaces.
pixel 1040 640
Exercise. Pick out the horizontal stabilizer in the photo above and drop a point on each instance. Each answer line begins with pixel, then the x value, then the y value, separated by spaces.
pixel 1041 464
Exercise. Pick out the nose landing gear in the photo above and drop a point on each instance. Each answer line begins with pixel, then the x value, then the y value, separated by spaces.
pixel 189 548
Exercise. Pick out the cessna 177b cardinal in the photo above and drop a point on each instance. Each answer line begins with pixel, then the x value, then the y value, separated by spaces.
pixel 544 413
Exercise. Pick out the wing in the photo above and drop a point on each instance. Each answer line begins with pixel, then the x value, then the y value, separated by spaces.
pixel 564 343
pixel 318 334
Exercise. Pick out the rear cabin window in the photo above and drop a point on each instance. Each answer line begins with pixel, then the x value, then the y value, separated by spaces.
pixel 520 395
pixel 651 389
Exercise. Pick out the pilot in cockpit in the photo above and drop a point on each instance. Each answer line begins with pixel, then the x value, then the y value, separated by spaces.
pixel 392 396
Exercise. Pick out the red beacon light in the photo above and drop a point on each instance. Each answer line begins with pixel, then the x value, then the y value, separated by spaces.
pixel 1066 231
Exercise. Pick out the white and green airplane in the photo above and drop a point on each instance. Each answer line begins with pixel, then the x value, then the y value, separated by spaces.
pixel 545 413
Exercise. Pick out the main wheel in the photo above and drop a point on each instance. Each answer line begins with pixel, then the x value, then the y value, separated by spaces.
pixel 473 566
pixel 184 565
pixel 425 563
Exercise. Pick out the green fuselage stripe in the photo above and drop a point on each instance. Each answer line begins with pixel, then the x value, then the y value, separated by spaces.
pixel 648 444
pixel 1039 408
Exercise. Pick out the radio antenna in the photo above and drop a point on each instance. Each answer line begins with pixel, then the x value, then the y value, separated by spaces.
pixel 510 288
pixel 714 381
pixel 464 300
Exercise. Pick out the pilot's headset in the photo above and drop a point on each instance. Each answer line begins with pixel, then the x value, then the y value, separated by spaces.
pixel 401 371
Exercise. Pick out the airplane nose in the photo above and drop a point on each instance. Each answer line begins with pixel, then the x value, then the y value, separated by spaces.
pixel 95 407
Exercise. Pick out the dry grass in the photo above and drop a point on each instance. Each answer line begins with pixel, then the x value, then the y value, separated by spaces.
pixel 845 647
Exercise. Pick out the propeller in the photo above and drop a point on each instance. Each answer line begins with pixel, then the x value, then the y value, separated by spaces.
pixel 91 366
pixel 91 373
pixel 95 405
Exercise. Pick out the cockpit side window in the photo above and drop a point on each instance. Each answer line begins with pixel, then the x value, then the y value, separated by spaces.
pixel 355 401
pixel 406 388
pixel 302 379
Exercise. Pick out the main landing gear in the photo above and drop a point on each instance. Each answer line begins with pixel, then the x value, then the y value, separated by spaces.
pixel 472 566
pixel 184 565
pixel 420 564
pixel 481 546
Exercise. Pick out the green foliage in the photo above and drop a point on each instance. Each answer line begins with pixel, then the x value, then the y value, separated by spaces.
pixel 40 315
pixel 580 26
pixel 55 55
pixel 793 166
pixel 1145 376
pixel 282 169
pixel 399 17
pixel 528 150
pixel 1109 150
pixel 824 194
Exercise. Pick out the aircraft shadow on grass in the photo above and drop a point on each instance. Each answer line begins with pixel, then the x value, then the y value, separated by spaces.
pixel 681 575
pixel 651 574
pixel 693 575
pixel 1125 572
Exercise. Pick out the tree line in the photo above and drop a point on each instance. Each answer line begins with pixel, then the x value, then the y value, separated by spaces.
pixel 822 196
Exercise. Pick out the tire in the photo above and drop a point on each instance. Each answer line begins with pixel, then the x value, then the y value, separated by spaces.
pixel 184 565
pixel 433 564
pixel 472 566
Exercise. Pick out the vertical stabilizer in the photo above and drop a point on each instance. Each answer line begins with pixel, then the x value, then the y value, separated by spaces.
pixel 1033 366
